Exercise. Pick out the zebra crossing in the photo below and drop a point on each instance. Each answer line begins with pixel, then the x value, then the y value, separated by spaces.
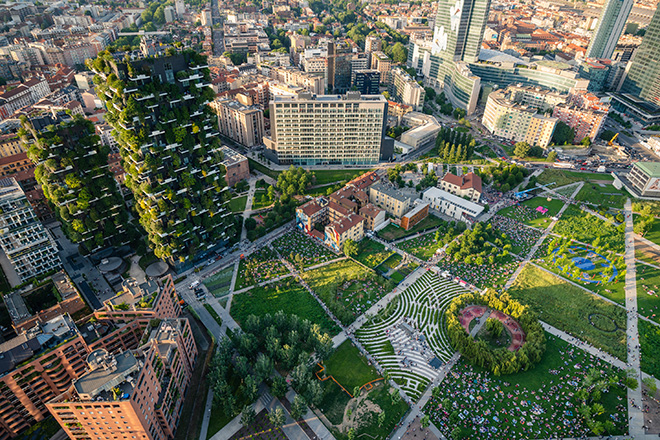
pixel 408 334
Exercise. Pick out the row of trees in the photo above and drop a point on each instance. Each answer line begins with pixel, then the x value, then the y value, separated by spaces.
pixel 473 246
pixel 589 398
pixel 246 359
pixel 497 360
pixel 452 146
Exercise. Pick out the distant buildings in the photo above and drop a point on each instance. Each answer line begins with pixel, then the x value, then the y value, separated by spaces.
pixel 243 37
pixel 27 244
pixel 467 186
pixel 372 44
pixel 331 129
pixel 609 28
pixel 511 119
pixel 367 81
pixel 406 90
pixel 240 123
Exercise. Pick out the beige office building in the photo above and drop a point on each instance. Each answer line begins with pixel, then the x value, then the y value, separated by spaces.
pixel 391 200
pixel 511 120
pixel 327 129
pixel 382 63
pixel 406 90
pixel 240 123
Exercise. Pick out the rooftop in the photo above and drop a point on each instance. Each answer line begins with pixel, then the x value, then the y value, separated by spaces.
pixel 108 372
pixel 437 193
pixel 346 223
pixel 652 169
pixel 419 205
pixel 232 157
pixel 466 181
pixel 135 294
pixel 390 191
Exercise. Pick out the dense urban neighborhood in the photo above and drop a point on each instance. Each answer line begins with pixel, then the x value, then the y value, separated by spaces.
pixel 329 219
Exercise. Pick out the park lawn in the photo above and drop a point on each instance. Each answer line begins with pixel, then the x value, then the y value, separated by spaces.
pixel 649 338
pixel 568 308
pixel 258 267
pixel 285 295
pixel 654 233
pixel 323 177
pixel 589 177
pixel 260 200
pixel 485 275
pixel 577 224
pixel 648 291
pixel 347 288
pixel 423 247
pixel 372 253
pixel 322 190
pixel 531 217
pixel 392 262
pixel 237 204
pixel 311 252
pixel 532 386
pixel 349 367
pixel 393 232
pixel 254 165
pixel 607 196
pixel 220 283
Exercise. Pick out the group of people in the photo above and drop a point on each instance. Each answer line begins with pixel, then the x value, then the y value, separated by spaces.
pixel 484 275
pixel 312 252
pixel 520 235
pixel 355 297
pixel 484 406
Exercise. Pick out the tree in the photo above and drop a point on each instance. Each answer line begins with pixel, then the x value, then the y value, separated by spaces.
pixel 586 141
pixel 381 418
pixel 399 53
pixel 521 150
pixel 552 156
pixel 248 416
pixel 298 407
pixel 279 387
pixel 425 421
pixel 350 248
pixel 276 417
pixel 650 384
pixel 563 134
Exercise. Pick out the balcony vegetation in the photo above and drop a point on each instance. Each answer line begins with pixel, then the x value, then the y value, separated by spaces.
pixel 72 169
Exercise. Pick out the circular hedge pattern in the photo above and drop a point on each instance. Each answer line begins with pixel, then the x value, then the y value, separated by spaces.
pixel 603 323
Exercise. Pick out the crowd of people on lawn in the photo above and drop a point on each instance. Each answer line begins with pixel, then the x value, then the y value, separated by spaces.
pixel 519 234
pixel 484 406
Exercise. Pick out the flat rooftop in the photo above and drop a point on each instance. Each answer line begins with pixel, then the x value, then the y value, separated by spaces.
pixel 232 157
pixel 652 169
pixel 108 372
pixel 390 191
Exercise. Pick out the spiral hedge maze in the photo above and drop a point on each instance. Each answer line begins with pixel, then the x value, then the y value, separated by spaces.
pixel 402 353
pixel 497 360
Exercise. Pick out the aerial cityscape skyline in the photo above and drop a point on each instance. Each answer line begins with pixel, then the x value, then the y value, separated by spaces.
pixel 336 219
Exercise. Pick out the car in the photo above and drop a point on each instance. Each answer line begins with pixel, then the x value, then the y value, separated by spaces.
pixel 583 169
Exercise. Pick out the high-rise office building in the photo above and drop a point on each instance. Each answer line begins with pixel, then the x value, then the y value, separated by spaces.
pixel 459 28
pixel 72 169
pixel 339 66
pixel 381 62
pixel 406 90
pixel 643 77
pixel 372 44
pixel 609 28
pixel 28 245
pixel 328 129
pixel 169 144
pixel 367 81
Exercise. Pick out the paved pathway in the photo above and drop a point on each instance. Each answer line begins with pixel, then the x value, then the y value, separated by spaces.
pixel 248 206
pixel 634 396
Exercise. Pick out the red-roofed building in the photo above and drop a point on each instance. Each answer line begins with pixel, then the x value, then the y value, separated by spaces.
pixel 350 227
pixel 467 185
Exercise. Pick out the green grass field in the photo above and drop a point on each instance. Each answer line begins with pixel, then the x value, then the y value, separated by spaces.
pixel 570 308
pixel 323 177
pixel 311 252
pixel 286 296
pixel 347 288
pixel 260 199
pixel 392 262
pixel 527 214
pixel 393 232
pixel 237 204
pixel 607 196
pixel 648 292
pixel 220 283
pixel 372 253
pixel 351 369
pixel 654 233
pixel 574 223
pixel 649 337
pixel 258 267
pixel 562 363
pixel 564 177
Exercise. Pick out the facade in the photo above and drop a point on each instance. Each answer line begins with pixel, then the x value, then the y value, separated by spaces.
pixel 422 134
pixel 406 90
pixel 367 81
pixel 419 212
pixel 236 164
pixel 169 143
pixel 372 44
pixel 142 389
pixel 338 69
pixel 69 154
pixel 312 213
pixel 382 63
pixel 350 227
pixel 586 122
pixel 609 28
pixel 15 165
pixel 331 129
pixel 467 185
pixel 10 144
pixel 643 76
pixel 391 200
pixel 28 245
pixel 452 205
pixel 240 123
pixel 517 122
pixel 373 216
pixel 645 179
pixel 312 82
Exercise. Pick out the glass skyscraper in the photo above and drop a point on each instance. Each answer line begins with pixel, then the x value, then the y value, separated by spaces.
pixel 643 78
pixel 609 28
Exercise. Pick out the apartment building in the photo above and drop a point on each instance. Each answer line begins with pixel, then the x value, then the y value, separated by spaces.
pixel 511 120
pixel 467 185
pixel 391 200
pixel 381 62
pixel 312 213
pixel 329 129
pixel 372 44
pixel 236 164
pixel 28 245
pixel 311 82
pixel 350 227
pixel 22 95
pixel 418 213
pixel 14 164
pixel 240 123
pixel 10 145
pixel 452 205
pixel 406 90
pixel 373 216
pixel 645 179
pixel 131 394
pixel 586 122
